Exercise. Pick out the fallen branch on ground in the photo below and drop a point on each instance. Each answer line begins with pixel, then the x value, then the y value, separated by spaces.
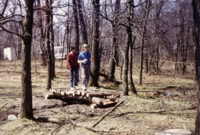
pixel 88 128
pixel 107 113
pixel 59 126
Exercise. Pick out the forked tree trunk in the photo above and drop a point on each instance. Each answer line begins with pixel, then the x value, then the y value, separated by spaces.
pixel 82 23
pixel 95 65
pixel 75 13
pixel 128 52
pixel 131 43
pixel 26 102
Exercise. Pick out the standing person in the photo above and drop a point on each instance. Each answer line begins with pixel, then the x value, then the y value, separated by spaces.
pixel 85 58
pixel 73 66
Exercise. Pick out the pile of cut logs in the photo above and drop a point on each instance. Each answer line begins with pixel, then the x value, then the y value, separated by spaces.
pixel 95 98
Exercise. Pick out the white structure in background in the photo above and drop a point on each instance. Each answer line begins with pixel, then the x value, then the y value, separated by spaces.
pixel 9 53
pixel 59 52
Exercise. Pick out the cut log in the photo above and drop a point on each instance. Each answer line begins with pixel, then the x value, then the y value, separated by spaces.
pixel 101 99
pixel 109 103
pixel 97 101
pixel 84 93
pixel 111 98
pixel 98 94
pixel 49 96
pixel 93 106
pixel 79 92
pixel 63 93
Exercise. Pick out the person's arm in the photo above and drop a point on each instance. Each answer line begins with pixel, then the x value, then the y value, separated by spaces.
pixel 68 62
pixel 80 61
pixel 91 58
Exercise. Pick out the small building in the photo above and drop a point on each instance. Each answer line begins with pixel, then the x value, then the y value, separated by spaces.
pixel 9 53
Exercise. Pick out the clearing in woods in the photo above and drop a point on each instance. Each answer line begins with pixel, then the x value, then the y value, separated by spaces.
pixel 147 113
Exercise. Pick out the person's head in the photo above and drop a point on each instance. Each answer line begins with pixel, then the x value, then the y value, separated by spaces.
pixel 85 47
pixel 73 48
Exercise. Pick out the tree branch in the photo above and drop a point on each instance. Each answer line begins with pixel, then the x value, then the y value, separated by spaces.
pixel 107 113
pixel 4 8
pixel 11 32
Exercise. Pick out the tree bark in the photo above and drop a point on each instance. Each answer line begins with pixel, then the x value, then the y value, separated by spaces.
pixel 82 23
pixel 125 68
pixel 111 73
pixel 75 13
pixel 112 61
pixel 132 86
pixel 53 75
pixel 196 17
pixel 49 58
pixel 42 45
pixel 26 102
pixel 142 42
pixel 95 65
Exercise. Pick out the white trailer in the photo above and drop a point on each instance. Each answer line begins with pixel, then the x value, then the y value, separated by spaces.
pixel 60 52
pixel 9 53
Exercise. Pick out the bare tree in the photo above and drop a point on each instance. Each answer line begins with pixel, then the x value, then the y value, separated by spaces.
pixel 42 45
pixel 196 17
pixel 52 41
pixel 145 17
pixel 95 65
pixel 115 27
pixel 82 22
pixel 26 103
pixel 75 13
pixel 47 41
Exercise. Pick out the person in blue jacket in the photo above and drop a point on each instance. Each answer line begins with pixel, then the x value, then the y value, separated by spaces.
pixel 85 59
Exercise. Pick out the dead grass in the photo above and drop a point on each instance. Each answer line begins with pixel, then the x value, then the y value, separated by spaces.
pixel 138 115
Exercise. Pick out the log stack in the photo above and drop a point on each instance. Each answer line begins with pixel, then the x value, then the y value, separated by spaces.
pixel 95 98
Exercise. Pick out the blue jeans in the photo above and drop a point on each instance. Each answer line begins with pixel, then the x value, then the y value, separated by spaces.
pixel 74 69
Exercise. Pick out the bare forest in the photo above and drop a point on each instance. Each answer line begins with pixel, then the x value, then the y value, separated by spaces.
pixel 146 55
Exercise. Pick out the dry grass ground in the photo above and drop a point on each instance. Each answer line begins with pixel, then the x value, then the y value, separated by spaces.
pixel 144 114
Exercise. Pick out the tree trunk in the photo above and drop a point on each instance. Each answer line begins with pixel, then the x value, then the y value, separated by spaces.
pixel 75 13
pixel 132 86
pixel 82 23
pixel 112 61
pixel 53 75
pixel 125 68
pixel 49 58
pixel 42 46
pixel 111 73
pixel 196 17
pixel 131 43
pixel 26 102
pixel 142 42
pixel 95 65
pixel 146 62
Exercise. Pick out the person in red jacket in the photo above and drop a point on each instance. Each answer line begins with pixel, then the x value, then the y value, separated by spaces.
pixel 73 66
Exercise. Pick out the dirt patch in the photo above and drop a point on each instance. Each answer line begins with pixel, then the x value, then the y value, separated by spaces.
pixel 39 103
